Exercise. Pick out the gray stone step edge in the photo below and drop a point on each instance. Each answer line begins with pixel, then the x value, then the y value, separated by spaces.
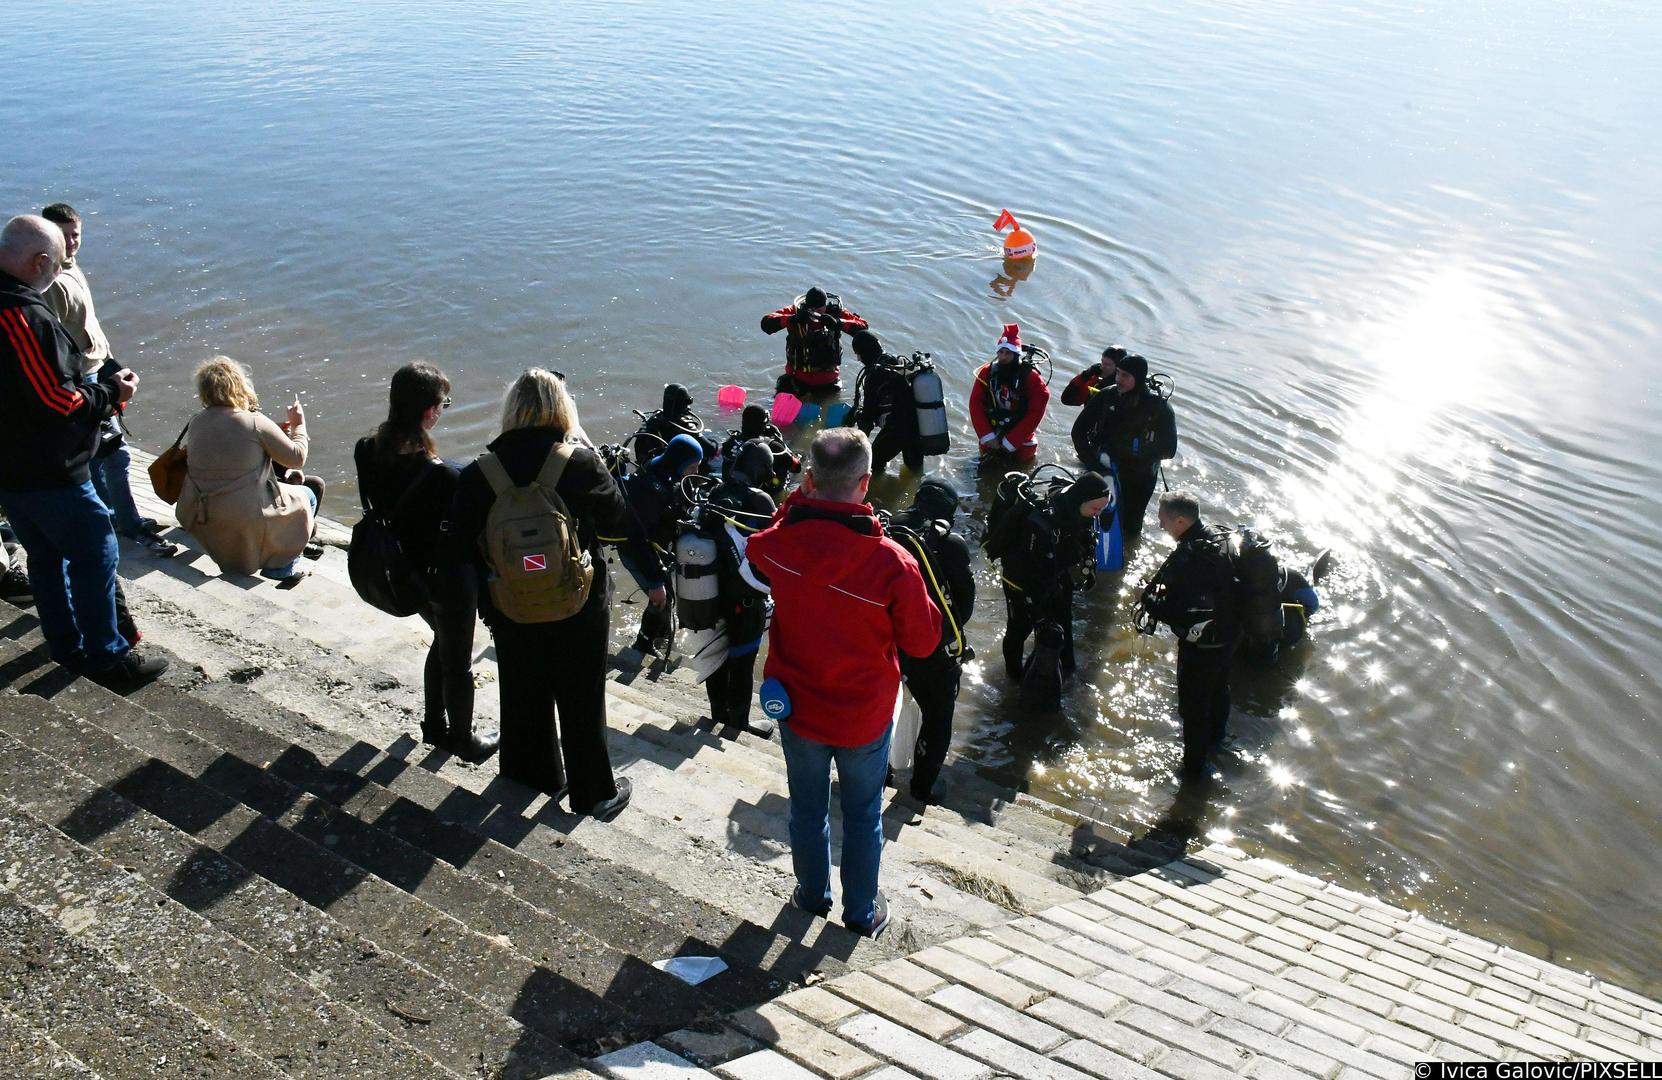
pixel 264 1008
pixel 412 909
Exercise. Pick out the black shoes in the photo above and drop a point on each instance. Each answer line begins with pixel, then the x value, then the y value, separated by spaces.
pixel 607 809
pixel 761 727
pixel 472 747
pixel 801 905
pixel 15 587
pixel 879 919
pixel 129 673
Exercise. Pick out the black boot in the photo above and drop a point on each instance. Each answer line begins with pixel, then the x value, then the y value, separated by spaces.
pixel 471 746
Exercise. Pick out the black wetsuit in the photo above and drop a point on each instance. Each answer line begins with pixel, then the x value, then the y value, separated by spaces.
pixel 1193 593
pixel 933 679
pixel 657 505
pixel 1135 432
pixel 1039 575
pixel 747 510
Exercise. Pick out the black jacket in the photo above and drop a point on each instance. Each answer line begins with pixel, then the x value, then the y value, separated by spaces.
pixel 589 492
pixel 1193 592
pixel 948 572
pixel 1137 430
pixel 49 419
pixel 420 520
pixel 883 396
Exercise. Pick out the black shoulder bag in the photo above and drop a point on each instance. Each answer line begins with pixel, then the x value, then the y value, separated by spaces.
pixel 381 572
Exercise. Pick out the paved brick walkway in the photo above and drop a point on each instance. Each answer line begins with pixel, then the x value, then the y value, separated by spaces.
pixel 1217 966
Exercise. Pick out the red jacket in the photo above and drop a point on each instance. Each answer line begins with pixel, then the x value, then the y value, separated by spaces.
pixel 846 598
pixel 1009 407
pixel 813 350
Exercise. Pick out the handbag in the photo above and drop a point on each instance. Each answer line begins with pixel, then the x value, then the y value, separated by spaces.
pixel 380 571
pixel 167 472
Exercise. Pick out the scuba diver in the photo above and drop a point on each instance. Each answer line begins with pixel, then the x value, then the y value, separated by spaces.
pixel 1094 379
pixel 816 322
pixel 1194 593
pixel 1129 430
pixel 738 614
pixel 925 530
pixel 654 495
pixel 674 417
pixel 755 425
pixel 1276 600
pixel 1046 546
pixel 1009 397
pixel 903 397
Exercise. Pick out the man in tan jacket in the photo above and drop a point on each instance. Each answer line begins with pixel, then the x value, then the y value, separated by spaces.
pixel 70 298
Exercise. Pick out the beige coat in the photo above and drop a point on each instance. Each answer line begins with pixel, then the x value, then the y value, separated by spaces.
pixel 232 504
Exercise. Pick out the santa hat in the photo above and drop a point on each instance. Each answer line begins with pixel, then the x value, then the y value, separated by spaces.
pixel 1010 339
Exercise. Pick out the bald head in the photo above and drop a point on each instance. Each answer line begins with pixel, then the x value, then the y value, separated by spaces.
pixel 31 250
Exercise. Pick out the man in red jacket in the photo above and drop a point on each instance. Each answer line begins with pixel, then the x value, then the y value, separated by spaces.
pixel 816 322
pixel 1008 400
pixel 847 602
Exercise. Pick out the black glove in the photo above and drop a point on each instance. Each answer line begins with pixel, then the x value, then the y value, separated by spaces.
pixel 801 316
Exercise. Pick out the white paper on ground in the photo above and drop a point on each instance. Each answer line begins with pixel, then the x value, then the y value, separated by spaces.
pixel 692 969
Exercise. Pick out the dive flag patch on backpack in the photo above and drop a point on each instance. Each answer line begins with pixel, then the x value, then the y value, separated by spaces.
pixel 534 562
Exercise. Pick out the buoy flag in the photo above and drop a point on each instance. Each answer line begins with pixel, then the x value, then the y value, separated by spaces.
pixel 1005 219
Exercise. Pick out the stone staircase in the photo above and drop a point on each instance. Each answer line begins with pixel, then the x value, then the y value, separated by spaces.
pixel 251 866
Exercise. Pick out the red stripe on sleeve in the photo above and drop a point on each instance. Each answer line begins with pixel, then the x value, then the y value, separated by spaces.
pixel 42 378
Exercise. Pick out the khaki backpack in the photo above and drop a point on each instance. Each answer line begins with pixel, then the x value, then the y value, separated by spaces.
pixel 539 570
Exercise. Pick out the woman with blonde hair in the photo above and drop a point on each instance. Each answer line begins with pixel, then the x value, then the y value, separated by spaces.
pixel 233 503
pixel 551 670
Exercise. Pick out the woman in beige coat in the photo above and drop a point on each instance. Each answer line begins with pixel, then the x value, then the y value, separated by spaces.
pixel 233 503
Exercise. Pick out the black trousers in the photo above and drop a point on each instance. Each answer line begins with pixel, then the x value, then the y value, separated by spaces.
pixel 933 682
pixel 896 439
pixel 552 671
pixel 1136 489
pixel 730 688
pixel 1202 699
pixel 447 677
pixel 1023 615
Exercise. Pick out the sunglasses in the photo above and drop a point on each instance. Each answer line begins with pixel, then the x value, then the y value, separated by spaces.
pixel 445 404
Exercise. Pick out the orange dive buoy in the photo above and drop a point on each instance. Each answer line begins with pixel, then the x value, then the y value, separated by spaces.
pixel 1020 243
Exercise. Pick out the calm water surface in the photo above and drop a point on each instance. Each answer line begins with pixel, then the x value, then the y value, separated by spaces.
pixel 1400 259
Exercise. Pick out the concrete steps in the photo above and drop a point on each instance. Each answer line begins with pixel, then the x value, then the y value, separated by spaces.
pixel 25 1051
pixel 951 872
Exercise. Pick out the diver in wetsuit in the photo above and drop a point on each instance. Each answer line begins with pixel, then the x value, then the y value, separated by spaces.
pixel 816 322
pixel 1193 592
pixel 674 417
pixel 883 399
pixel 1130 429
pixel 924 529
pixel 1047 555
pixel 755 425
pixel 743 508
pixel 654 495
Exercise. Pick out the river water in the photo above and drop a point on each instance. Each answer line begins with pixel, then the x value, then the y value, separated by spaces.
pixel 1400 259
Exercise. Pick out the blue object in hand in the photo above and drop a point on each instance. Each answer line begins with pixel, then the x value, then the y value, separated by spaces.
pixel 776 703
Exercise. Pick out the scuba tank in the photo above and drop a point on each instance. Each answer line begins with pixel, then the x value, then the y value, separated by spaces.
pixel 697 552
pixel 697 584
pixel 929 398
pixel 1257 584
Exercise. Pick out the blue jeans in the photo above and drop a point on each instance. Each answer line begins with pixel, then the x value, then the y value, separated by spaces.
pixel 109 479
pixel 290 568
pixel 860 773
pixel 72 558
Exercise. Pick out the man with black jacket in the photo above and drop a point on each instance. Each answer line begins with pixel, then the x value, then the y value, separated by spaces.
pixel 1132 429
pixel 925 530
pixel 49 426
pixel 1193 593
